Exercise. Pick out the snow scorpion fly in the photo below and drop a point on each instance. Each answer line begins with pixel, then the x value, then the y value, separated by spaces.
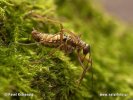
pixel 68 43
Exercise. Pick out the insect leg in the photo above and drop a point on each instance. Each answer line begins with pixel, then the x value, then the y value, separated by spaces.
pixel 85 70
pixel 85 67
pixel 80 60
pixel 61 33
pixel 61 40
pixel 53 51
pixel 27 44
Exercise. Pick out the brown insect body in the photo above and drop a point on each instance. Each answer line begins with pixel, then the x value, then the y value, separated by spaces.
pixel 46 39
pixel 67 43
pixel 54 41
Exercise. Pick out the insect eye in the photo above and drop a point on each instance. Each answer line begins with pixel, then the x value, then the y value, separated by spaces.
pixel 86 50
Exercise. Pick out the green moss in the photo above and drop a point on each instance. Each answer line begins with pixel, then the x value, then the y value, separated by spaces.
pixel 29 69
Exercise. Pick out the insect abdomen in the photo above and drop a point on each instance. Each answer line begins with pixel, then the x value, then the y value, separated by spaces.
pixel 46 39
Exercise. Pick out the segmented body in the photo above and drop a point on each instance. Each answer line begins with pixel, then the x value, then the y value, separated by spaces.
pixel 69 43
pixel 46 39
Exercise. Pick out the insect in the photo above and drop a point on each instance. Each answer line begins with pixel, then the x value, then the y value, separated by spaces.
pixel 68 43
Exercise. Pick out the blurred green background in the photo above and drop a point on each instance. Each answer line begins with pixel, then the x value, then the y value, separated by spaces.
pixel 53 78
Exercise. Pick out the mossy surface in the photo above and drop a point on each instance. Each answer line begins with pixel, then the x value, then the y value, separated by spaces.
pixel 25 67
